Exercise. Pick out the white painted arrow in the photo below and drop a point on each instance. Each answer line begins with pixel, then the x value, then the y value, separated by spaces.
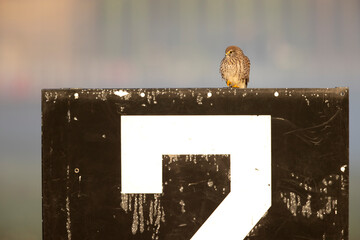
pixel 144 139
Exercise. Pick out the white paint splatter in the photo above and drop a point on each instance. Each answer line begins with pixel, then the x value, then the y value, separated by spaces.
pixel 328 206
pixel 209 94
pixel 76 95
pixel 199 99
pixel 327 103
pixel 182 204
pixel 343 168
pixel 210 183
pixel 47 96
pixel 307 100
pixel 306 209
pixel 276 94
pixel 121 93
pixel 68 220
pixel 294 202
pixel 69 115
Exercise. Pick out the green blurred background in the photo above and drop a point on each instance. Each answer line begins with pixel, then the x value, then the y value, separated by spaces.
pixel 158 43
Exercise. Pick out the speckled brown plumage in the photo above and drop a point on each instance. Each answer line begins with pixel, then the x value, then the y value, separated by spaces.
pixel 235 67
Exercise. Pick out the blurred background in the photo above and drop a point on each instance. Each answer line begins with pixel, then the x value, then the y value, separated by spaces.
pixel 159 43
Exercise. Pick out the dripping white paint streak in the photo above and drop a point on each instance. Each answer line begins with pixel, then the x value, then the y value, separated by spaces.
pixel 68 219
pixel 136 203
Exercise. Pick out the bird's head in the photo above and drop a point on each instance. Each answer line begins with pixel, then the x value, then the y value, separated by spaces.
pixel 232 51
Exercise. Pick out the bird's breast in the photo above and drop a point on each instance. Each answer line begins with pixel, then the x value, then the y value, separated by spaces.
pixel 230 67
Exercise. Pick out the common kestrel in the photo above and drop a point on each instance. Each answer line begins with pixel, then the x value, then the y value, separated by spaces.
pixel 235 67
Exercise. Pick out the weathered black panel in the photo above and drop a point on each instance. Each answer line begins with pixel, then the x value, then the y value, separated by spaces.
pixel 81 162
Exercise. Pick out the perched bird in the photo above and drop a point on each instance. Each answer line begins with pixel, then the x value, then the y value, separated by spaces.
pixel 235 67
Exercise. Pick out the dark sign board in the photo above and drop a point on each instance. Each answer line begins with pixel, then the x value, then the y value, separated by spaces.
pixel 203 163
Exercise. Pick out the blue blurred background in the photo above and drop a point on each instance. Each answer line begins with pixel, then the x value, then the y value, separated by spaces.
pixel 159 43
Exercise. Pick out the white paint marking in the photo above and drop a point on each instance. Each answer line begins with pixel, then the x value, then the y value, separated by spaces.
pixel 144 139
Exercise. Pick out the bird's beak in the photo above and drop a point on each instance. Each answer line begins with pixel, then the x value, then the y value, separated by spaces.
pixel 227 53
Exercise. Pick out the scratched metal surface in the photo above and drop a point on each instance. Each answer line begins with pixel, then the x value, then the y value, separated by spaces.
pixel 81 164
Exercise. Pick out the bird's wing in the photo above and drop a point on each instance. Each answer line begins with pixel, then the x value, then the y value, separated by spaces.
pixel 222 68
pixel 246 68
